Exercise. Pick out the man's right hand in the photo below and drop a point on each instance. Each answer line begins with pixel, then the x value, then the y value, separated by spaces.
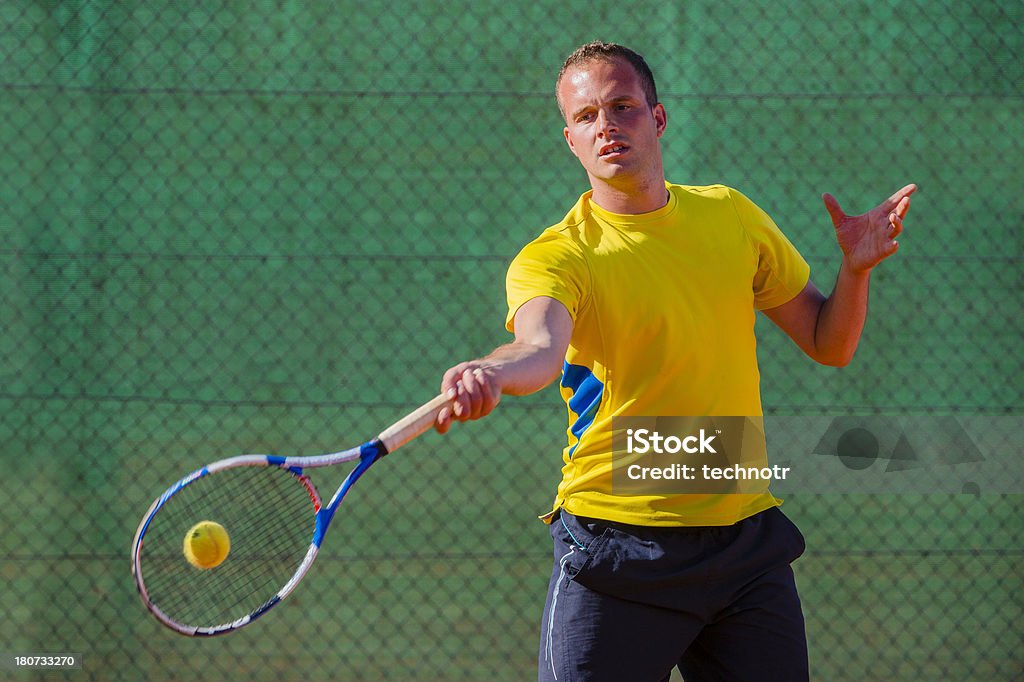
pixel 474 391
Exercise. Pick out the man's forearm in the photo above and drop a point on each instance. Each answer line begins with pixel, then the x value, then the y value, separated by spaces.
pixel 841 318
pixel 531 362
pixel 522 368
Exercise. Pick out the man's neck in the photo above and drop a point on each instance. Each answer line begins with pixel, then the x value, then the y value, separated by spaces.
pixel 631 200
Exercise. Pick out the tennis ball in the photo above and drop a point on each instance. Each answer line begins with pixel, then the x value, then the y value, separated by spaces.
pixel 206 544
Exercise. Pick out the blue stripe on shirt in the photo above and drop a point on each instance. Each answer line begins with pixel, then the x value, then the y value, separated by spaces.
pixel 587 392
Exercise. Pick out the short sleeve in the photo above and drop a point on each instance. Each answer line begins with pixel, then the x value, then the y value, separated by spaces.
pixel 551 265
pixel 782 273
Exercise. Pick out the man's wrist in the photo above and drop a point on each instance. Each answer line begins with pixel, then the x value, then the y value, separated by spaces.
pixel 847 267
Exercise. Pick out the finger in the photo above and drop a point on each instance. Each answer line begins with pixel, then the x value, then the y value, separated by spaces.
pixel 449 379
pixel 478 389
pixel 903 207
pixel 471 390
pixel 444 420
pixel 460 402
pixel 895 225
pixel 832 206
pixel 900 194
pixel 450 388
pixel 489 395
pixel 479 392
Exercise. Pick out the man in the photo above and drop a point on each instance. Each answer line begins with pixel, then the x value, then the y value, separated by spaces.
pixel 643 299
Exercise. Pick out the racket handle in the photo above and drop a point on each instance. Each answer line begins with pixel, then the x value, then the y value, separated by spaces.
pixel 413 424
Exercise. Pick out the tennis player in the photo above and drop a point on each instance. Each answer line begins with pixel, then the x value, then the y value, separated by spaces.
pixel 642 301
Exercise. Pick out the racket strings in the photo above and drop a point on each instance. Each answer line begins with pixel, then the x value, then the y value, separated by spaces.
pixel 277 548
pixel 269 517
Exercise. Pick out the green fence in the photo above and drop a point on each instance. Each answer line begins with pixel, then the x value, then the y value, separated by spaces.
pixel 270 226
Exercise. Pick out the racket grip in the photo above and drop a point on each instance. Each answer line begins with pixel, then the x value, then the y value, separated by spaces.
pixel 413 424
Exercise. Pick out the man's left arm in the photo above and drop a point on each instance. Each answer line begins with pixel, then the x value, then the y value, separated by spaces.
pixel 828 329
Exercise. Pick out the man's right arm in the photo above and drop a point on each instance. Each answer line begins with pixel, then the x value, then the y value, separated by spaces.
pixel 543 327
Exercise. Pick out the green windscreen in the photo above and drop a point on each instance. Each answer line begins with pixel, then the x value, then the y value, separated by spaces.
pixel 237 227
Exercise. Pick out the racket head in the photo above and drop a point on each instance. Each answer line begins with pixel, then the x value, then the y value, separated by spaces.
pixel 270 512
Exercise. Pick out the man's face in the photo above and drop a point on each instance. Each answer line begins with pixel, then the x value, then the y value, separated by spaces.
pixel 609 125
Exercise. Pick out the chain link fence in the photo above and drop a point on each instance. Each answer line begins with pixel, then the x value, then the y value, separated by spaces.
pixel 236 227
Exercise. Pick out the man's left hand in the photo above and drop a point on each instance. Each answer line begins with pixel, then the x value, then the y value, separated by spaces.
pixel 870 238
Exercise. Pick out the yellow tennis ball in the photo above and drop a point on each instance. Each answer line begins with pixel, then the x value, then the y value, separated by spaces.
pixel 206 544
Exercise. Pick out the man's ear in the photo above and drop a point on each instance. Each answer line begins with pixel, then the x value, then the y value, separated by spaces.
pixel 660 118
pixel 568 141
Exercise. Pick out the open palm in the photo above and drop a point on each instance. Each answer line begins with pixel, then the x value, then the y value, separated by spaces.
pixel 870 238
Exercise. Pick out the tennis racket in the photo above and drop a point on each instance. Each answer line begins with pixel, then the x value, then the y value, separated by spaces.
pixel 276 523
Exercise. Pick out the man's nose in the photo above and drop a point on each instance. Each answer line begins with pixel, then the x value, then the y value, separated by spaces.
pixel 606 123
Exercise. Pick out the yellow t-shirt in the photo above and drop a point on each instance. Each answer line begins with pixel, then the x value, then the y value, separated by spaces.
pixel 663 305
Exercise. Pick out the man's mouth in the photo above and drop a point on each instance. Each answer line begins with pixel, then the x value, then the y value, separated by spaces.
pixel 613 149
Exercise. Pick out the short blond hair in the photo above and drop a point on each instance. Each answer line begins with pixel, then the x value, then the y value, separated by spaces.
pixel 599 50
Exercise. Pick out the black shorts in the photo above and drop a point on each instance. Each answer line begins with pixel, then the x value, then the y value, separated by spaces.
pixel 632 602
